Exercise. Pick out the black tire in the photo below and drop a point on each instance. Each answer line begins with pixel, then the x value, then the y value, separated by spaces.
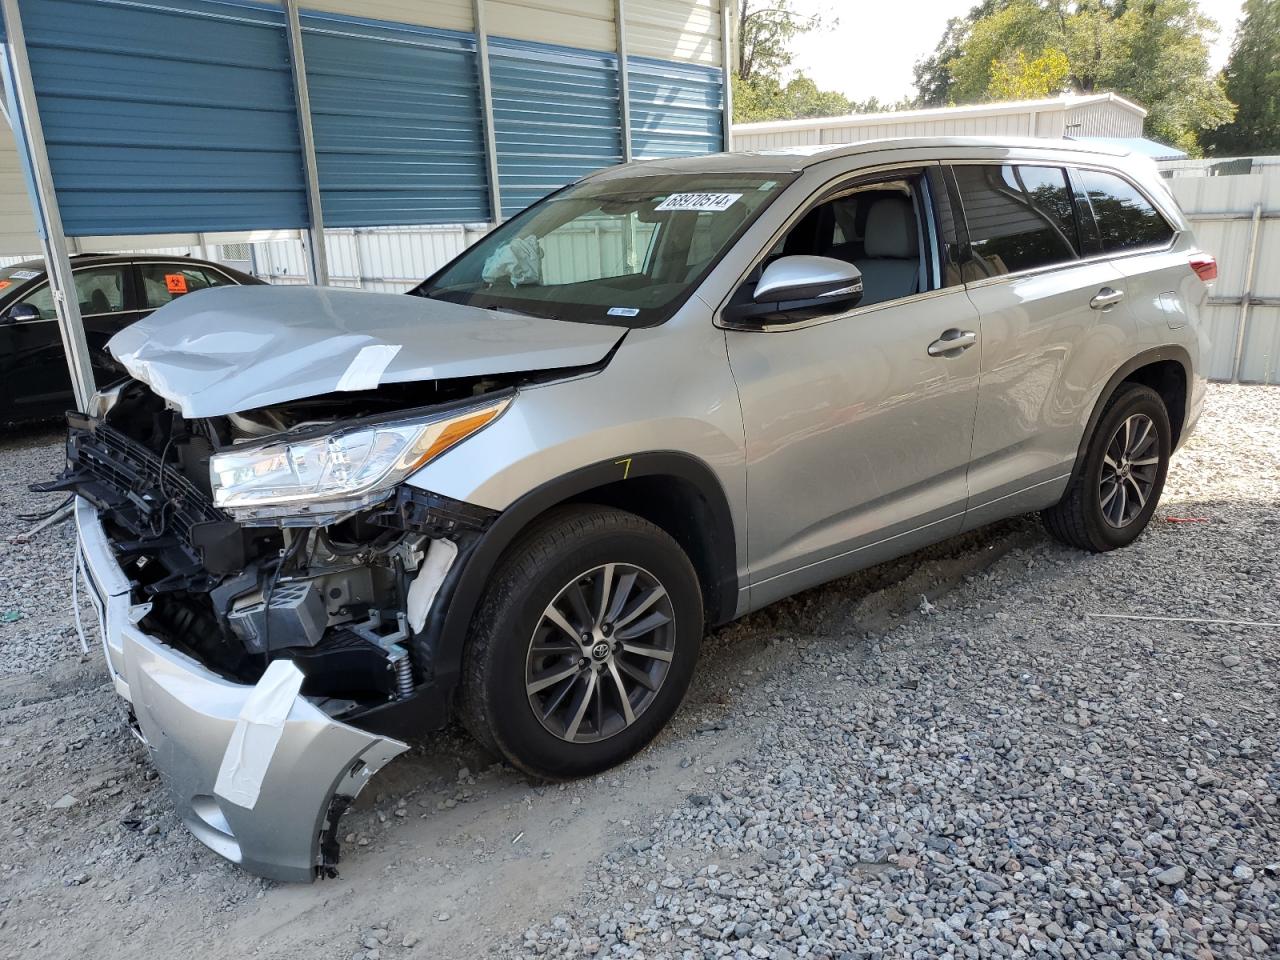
pixel 495 704
pixel 1078 519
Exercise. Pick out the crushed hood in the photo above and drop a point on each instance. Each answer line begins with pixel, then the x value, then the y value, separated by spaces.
pixel 230 349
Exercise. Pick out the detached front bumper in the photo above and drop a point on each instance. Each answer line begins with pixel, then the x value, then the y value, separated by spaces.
pixel 186 715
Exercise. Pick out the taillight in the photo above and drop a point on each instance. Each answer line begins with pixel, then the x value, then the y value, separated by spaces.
pixel 1205 266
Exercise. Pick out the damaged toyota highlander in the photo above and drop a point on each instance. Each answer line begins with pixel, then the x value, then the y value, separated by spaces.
pixel 315 523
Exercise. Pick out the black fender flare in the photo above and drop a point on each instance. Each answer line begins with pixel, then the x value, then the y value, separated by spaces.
pixel 441 642
pixel 1136 362
pixel 450 620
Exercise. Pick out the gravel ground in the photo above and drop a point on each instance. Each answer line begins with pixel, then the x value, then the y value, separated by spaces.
pixel 943 756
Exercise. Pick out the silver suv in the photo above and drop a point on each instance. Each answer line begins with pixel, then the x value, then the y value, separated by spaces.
pixel 315 522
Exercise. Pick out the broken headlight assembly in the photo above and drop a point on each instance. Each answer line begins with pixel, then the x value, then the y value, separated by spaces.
pixel 319 475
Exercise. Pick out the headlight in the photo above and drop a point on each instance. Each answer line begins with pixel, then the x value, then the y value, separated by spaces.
pixel 314 478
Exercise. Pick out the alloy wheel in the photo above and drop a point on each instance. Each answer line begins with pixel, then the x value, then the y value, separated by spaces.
pixel 1130 467
pixel 600 653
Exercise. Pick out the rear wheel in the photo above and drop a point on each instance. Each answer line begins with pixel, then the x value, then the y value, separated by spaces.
pixel 1114 494
pixel 584 644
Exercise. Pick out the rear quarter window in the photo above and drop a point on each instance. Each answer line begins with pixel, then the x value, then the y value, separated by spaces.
pixel 1126 219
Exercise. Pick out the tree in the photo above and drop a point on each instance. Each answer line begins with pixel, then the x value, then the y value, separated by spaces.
pixel 933 73
pixel 1252 79
pixel 765 30
pixel 1153 51
pixel 764 86
pixel 1017 78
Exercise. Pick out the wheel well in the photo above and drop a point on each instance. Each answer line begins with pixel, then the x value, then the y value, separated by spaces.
pixel 680 508
pixel 1169 379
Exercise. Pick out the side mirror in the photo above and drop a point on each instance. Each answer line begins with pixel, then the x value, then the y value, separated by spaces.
pixel 796 288
pixel 22 312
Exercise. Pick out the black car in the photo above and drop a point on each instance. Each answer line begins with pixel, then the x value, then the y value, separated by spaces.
pixel 113 292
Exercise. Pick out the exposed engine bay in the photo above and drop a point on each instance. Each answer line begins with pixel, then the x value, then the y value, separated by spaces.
pixel 344 595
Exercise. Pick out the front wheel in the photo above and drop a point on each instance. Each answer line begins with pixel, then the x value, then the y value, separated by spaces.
pixel 584 643
pixel 1114 493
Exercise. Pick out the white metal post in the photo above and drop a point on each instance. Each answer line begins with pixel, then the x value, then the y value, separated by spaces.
pixel 727 59
pixel 28 134
pixel 486 111
pixel 1247 294
pixel 313 241
pixel 624 81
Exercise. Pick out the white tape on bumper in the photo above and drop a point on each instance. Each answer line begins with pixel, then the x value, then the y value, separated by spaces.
pixel 256 734
pixel 366 367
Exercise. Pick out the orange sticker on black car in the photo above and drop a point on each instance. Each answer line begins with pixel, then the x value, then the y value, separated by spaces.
pixel 176 282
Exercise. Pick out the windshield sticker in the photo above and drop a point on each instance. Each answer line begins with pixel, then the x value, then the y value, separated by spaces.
pixel 24 274
pixel 4 283
pixel 767 186
pixel 713 202
pixel 175 282
pixel 624 311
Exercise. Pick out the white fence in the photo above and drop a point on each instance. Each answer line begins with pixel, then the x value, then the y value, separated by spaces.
pixel 1235 207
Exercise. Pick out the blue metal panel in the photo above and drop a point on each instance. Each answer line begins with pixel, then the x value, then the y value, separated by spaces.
pixel 166 117
pixel 396 114
pixel 677 109
pixel 556 116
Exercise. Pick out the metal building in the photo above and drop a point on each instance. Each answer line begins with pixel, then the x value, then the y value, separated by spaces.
pixel 145 124
pixel 1105 115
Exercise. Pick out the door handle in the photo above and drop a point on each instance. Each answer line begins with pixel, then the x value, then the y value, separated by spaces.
pixel 1106 298
pixel 952 342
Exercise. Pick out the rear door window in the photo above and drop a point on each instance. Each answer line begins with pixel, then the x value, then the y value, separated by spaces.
pixel 1020 217
pixel 165 282
pixel 1126 219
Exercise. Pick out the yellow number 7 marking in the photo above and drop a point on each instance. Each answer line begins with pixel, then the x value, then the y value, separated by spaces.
pixel 626 466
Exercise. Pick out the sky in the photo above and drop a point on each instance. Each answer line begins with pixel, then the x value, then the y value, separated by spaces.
pixel 871 54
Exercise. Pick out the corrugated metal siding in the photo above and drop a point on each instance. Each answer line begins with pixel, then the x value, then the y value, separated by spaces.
pixel 995 125
pixel 675 30
pixel 1103 120
pixel 556 117
pixel 396 116
pixel 1012 124
pixel 1220 209
pixel 17 225
pixel 166 118
pixel 1048 118
pixel 1227 194
pixel 445 14
pixel 676 109
pixel 585 24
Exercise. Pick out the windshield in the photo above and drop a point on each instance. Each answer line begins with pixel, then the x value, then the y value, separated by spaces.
pixel 620 251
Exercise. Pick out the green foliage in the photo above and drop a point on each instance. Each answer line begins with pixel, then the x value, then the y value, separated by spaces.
pixel 766 98
pixel 934 81
pixel 1155 52
pixel 1017 78
pixel 1252 80
pixel 765 31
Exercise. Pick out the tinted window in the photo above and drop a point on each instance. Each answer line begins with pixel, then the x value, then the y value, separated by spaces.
pixel 100 290
pixel 1019 217
pixel 1125 218
pixel 163 282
